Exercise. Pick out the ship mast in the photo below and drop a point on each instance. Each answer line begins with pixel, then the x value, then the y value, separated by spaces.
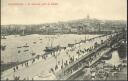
pixel 52 39
pixel 23 32
pixel 48 41
pixel 85 38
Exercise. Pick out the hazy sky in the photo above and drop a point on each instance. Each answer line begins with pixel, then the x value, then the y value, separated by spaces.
pixel 65 10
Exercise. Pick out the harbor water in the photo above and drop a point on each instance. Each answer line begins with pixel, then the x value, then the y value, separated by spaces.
pixel 115 59
pixel 16 51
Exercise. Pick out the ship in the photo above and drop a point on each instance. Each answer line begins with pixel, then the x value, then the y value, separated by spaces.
pixel 50 49
pixel 122 50
pixel 3 47
pixel 107 56
pixel 121 47
pixel 23 33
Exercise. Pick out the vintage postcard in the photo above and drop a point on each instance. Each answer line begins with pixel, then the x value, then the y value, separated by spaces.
pixel 63 40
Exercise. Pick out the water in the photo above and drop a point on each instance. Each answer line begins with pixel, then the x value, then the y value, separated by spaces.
pixel 10 54
pixel 115 60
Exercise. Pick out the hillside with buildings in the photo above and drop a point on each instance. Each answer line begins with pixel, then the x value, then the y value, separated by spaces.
pixel 81 26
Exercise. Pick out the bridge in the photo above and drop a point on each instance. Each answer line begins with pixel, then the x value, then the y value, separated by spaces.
pixel 85 61
pixel 88 60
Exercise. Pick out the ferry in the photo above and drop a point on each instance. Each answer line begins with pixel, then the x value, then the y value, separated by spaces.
pixel 53 49
pixel 107 56
pixel 3 47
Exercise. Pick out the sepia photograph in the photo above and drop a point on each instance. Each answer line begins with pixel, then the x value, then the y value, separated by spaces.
pixel 63 40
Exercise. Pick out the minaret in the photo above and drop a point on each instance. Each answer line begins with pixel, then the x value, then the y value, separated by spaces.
pixel 88 17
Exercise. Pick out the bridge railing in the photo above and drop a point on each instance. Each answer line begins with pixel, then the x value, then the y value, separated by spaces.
pixel 61 72
pixel 67 71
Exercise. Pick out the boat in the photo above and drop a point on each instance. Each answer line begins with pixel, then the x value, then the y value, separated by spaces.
pixel 3 47
pixel 71 45
pixel 26 45
pixel 122 51
pixel 50 49
pixel 107 56
pixel 26 50
pixel 19 47
pixel 34 42
pixel 33 54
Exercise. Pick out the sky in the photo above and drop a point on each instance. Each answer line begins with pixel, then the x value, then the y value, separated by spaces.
pixel 64 10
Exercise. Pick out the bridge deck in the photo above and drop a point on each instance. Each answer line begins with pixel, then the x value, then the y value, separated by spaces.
pixel 43 66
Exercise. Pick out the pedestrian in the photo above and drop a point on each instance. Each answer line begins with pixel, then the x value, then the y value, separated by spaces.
pixel 22 64
pixel 58 62
pixel 56 67
pixel 33 60
pixel 24 79
pixel 42 57
pixel 17 67
pixel 66 61
pixel 27 63
pixel 32 79
pixel 52 70
pixel 18 77
pixel 27 78
pixel 14 69
pixel 7 79
pixel 61 67
pixel 107 75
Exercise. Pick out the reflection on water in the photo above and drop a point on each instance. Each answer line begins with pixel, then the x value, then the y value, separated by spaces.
pixel 115 60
